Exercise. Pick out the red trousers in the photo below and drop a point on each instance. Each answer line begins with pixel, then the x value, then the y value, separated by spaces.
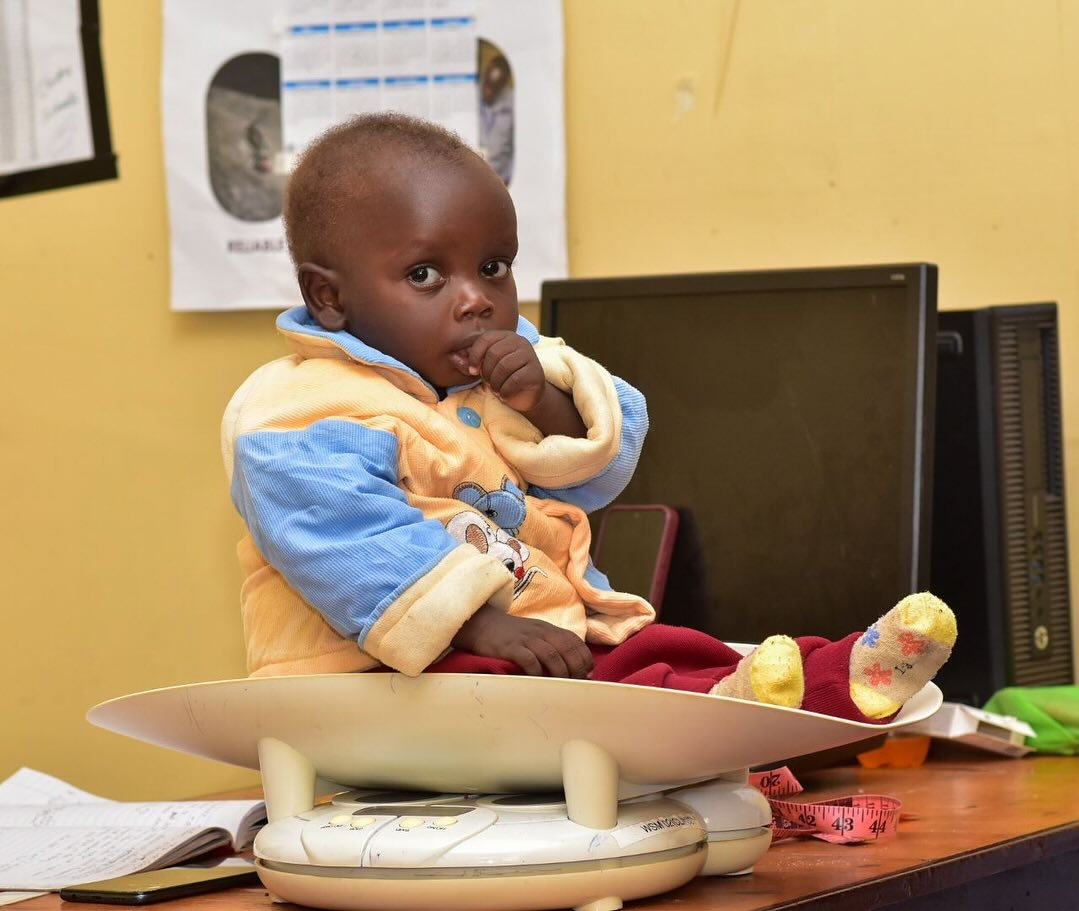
pixel 678 658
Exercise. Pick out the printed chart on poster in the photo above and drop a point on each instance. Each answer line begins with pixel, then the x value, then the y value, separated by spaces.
pixel 245 85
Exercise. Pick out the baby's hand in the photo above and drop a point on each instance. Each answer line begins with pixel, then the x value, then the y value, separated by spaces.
pixel 537 647
pixel 507 363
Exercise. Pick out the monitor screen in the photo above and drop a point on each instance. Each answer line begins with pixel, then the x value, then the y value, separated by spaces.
pixel 791 428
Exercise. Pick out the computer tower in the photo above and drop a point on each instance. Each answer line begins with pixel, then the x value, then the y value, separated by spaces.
pixel 999 541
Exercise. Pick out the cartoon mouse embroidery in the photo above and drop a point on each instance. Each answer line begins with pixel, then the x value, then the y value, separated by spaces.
pixel 507 509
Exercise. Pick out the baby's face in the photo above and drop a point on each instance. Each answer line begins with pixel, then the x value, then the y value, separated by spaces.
pixel 423 263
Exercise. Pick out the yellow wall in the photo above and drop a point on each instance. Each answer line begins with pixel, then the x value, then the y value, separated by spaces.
pixel 701 136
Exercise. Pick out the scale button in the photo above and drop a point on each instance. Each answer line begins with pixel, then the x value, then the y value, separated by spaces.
pixel 361 822
pixel 410 822
pixel 445 822
pixel 341 819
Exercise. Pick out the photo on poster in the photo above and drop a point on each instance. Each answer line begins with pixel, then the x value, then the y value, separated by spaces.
pixel 243 136
pixel 495 108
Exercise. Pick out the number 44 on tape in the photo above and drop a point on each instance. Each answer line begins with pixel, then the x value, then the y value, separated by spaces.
pixel 844 820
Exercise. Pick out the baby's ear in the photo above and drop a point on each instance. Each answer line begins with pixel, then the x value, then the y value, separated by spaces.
pixel 318 286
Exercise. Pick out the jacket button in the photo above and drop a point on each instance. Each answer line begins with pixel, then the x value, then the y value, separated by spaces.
pixel 468 416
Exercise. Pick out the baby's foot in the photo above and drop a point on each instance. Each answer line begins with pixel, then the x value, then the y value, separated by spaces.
pixel 900 653
pixel 771 673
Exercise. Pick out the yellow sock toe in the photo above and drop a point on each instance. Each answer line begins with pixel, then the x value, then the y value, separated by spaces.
pixel 776 675
pixel 771 673
pixel 926 614
pixel 871 703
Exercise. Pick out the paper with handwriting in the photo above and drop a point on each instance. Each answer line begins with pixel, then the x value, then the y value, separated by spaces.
pixel 53 835
pixel 46 120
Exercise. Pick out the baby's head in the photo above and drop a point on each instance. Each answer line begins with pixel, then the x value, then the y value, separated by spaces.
pixel 403 236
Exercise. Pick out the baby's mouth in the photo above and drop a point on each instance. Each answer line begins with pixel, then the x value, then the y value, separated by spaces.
pixel 460 358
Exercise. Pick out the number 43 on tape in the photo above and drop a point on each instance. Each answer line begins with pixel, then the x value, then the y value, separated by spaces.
pixel 844 820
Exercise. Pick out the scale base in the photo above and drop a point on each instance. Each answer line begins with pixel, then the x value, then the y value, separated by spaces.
pixel 376 850
pixel 591 890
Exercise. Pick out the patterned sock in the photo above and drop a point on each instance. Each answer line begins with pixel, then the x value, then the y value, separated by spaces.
pixel 771 673
pixel 900 653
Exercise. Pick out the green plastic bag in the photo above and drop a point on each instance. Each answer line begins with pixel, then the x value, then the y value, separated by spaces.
pixel 1053 712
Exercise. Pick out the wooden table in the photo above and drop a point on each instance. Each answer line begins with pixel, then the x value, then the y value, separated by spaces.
pixel 989 834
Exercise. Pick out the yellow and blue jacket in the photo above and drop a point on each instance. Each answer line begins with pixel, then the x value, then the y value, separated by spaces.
pixel 380 516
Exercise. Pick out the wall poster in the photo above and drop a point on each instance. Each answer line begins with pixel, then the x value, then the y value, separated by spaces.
pixel 246 84
pixel 54 122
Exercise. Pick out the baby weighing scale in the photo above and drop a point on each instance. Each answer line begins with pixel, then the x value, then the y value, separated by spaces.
pixel 490 792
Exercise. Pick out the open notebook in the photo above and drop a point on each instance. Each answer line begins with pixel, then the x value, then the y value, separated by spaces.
pixel 52 834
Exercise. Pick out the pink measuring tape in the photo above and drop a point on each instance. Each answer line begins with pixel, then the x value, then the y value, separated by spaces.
pixel 843 820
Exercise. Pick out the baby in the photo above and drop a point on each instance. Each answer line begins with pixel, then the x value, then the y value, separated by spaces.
pixel 415 476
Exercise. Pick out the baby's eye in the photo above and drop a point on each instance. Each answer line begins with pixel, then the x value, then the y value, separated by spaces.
pixel 496 268
pixel 425 276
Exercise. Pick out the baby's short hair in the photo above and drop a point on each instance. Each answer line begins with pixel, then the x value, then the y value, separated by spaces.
pixel 336 168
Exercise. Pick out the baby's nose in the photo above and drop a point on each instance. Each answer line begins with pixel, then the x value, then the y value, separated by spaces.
pixel 472 301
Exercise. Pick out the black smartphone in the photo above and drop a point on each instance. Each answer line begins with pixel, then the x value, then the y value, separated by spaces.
pixel 160 885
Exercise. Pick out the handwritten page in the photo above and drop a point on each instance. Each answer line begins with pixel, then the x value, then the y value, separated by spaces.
pixel 53 834
pixel 44 109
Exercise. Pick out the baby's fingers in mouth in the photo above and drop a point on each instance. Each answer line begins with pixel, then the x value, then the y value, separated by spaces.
pixel 460 360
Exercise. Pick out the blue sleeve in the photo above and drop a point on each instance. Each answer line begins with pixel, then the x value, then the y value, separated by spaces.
pixel 598 491
pixel 323 506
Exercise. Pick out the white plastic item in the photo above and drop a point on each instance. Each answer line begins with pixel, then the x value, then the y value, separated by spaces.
pixel 737 818
pixel 978 728
pixel 469 733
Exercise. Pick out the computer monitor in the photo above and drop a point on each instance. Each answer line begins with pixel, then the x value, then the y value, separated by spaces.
pixel 791 428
